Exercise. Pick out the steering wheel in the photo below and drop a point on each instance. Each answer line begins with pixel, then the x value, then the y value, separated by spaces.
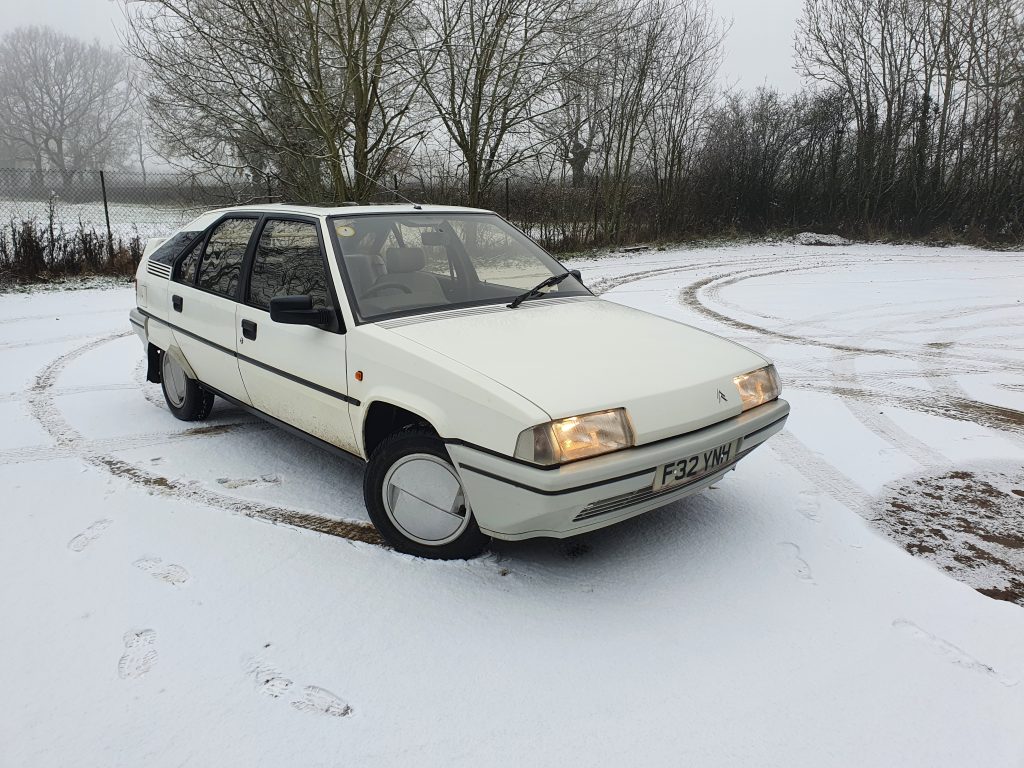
pixel 386 286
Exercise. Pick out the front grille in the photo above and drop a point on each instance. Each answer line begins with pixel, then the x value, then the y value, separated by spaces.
pixel 639 496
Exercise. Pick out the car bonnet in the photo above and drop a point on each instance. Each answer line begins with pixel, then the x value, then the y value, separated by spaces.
pixel 579 355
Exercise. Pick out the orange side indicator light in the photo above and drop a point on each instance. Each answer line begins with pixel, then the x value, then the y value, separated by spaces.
pixel 359 375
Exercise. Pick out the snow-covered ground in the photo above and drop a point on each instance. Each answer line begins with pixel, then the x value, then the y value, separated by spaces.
pixel 179 595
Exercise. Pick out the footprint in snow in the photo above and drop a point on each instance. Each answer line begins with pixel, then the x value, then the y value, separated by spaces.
pixel 89 535
pixel 271 682
pixel 810 505
pixel 267 679
pixel 801 568
pixel 322 702
pixel 158 569
pixel 139 654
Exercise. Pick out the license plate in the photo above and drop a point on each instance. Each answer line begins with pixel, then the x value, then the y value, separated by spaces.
pixel 693 467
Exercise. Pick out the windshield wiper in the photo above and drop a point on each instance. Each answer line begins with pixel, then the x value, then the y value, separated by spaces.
pixel 537 290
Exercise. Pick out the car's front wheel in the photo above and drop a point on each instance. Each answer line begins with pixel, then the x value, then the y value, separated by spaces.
pixel 416 499
pixel 185 397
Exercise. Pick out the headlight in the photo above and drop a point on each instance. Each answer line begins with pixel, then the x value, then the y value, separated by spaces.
pixel 578 437
pixel 758 387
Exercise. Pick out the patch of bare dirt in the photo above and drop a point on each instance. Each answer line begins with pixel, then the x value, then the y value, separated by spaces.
pixel 969 523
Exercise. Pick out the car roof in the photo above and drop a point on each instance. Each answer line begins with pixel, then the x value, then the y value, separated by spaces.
pixel 347 210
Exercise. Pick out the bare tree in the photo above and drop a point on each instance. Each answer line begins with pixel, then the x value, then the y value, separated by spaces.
pixel 64 101
pixel 488 68
pixel 305 92
pixel 630 92
pixel 935 89
pixel 687 73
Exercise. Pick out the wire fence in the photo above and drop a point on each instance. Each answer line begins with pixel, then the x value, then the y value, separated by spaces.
pixel 96 222
pixel 89 222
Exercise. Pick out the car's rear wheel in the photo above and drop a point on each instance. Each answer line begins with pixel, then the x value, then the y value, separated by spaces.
pixel 416 499
pixel 185 397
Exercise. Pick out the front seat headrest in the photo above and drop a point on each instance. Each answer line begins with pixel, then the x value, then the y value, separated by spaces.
pixel 399 260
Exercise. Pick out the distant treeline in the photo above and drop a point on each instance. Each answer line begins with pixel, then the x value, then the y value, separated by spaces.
pixel 588 122
pixel 910 121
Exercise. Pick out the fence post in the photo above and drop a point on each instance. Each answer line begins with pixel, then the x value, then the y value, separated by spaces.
pixel 106 214
pixel 507 214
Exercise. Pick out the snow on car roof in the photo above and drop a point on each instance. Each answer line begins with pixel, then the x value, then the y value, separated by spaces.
pixel 207 218
pixel 348 210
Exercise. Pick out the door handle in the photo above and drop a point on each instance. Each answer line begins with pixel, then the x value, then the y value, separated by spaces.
pixel 176 303
pixel 249 329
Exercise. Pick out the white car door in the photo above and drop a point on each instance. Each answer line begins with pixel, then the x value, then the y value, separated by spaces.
pixel 203 301
pixel 295 373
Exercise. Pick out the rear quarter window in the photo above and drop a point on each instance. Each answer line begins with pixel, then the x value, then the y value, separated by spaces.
pixel 169 251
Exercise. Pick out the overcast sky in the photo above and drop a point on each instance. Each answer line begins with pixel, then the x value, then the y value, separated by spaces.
pixel 759 48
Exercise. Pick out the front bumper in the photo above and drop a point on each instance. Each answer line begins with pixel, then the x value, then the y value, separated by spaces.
pixel 514 500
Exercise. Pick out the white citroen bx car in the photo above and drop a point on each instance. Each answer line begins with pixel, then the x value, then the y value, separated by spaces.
pixel 486 390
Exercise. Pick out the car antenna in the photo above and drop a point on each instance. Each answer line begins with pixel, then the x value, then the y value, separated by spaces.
pixel 417 206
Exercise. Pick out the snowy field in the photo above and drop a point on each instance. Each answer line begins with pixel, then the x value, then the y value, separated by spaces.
pixel 127 220
pixel 210 595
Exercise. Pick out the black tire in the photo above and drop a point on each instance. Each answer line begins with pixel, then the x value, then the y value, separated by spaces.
pixel 192 402
pixel 416 444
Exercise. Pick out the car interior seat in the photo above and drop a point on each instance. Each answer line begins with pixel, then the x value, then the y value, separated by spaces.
pixel 364 270
pixel 405 268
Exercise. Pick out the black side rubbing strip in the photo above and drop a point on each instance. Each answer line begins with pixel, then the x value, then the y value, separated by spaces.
pixel 350 457
pixel 757 432
pixel 498 454
pixel 257 363
pixel 531 465
pixel 560 491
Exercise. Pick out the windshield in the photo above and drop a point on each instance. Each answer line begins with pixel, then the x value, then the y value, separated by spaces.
pixel 421 262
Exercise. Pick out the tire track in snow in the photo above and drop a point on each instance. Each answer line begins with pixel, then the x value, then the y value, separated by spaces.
pixel 851 389
pixel 44 410
pixel 603 285
pixel 9 397
pixel 58 315
pixel 689 297
pixel 867 413
pixel 844 366
pixel 948 405
pixel 50 340
pixel 820 474
pixel 53 452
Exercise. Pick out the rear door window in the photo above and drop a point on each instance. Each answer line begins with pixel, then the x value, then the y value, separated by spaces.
pixel 288 262
pixel 221 265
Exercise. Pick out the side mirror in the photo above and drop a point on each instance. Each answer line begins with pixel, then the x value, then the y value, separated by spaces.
pixel 576 273
pixel 298 310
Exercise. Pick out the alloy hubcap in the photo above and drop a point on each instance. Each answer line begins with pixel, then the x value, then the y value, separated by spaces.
pixel 173 377
pixel 424 499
